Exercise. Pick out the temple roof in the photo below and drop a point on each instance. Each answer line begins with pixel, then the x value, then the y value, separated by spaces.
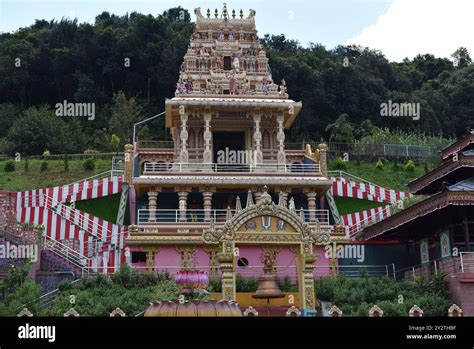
pixel 224 57
pixel 451 171
pixel 465 143
pixel 465 185
pixel 446 207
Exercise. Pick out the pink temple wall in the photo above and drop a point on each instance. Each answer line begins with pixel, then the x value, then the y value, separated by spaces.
pixel 168 258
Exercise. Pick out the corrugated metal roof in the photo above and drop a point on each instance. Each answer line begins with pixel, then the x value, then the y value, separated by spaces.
pixel 465 185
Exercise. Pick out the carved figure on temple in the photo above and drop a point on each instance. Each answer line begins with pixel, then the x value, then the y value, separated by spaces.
pixel 188 86
pixel 231 36
pixel 283 87
pixel 232 84
pixel 265 86
pixel 221 35
pixel 236 63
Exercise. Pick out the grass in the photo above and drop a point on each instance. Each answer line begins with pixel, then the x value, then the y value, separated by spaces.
pixel 349 205
pixel 19 180
pixel 105 207
pixel 391 176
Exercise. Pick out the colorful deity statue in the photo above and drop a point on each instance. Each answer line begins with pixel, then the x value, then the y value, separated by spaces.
pixel 283 87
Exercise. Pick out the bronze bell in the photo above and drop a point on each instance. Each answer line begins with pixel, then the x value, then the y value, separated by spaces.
pixel 268 283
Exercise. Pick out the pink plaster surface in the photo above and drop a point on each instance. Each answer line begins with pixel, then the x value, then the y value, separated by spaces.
pixel 169 259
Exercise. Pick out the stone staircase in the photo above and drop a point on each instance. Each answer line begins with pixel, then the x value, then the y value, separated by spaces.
pixel 50 271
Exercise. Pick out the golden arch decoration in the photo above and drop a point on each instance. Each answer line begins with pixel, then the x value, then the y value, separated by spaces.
pixel 303 235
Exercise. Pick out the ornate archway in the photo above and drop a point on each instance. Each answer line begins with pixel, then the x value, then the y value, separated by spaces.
pixel 267 223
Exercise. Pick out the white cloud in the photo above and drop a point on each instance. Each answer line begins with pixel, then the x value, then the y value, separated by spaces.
pixel 412 27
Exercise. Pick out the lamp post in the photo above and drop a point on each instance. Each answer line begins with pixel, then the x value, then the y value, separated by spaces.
pixel 143 121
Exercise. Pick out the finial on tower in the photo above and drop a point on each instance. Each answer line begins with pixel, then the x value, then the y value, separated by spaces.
pixel 224 12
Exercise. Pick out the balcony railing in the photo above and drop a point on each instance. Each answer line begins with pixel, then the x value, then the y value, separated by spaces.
pixel 147 144
pixel 163 216
pixel 154 168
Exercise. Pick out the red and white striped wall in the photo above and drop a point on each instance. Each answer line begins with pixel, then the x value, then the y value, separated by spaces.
pixel 61 222
pixel 359 190
pixel 86 190
pixel 372 215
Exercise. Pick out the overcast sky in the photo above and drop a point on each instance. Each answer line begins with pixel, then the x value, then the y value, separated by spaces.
pixel 399 28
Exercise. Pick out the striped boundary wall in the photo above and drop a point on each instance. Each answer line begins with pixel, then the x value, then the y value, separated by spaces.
pixel 366 191
pixel 372 215
pixel 68 193
pixel 61 222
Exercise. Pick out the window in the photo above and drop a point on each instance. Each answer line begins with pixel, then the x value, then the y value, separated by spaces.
pixel 243 262
pixel 138 257
pixel 227 63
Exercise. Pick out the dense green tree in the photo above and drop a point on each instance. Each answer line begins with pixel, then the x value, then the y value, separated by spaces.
pixel 49 62
pixel 37 129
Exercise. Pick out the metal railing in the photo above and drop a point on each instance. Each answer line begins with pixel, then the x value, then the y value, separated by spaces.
pixel 153 168
pixel 66 252
pixel 381 149
pixel 467 262
pixel 102 175
pixel 372 270
pixel 153 217
pixel 350 177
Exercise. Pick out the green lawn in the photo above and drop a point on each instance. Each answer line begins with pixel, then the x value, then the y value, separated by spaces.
pixel 389 176
pixel 105 207
pixel 19 180
pixel 349 205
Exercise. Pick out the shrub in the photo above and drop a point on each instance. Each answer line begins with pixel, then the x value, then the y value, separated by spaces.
pixel 66 163
pixel 340 164
pixel 379 165
pixel 410 166
pixel 89 165
pixel 46 153
pixel 9 166
pixel 246 284
pixel 44 166
pixel 426 167
pixel 395 166
pixel 215 284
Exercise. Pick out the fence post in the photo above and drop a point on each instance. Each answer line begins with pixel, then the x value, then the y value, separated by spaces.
pixel 462 263
pixel 413 272
pixel 386 270
pixel 394 274
pixel 407 150
pixel 436 267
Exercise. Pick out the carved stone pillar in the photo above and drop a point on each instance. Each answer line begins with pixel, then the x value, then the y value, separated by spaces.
pixel 257 138
pixel 323 162
pixel 183 205
pixel 207 156
pixel 213 252
pixel 306 260
pixel 281 140
pixel 207 199
pixel 184 155
pixel 311 195
pixel 151 251
pixel 226 263
pixel 128 166
pixel 152 198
